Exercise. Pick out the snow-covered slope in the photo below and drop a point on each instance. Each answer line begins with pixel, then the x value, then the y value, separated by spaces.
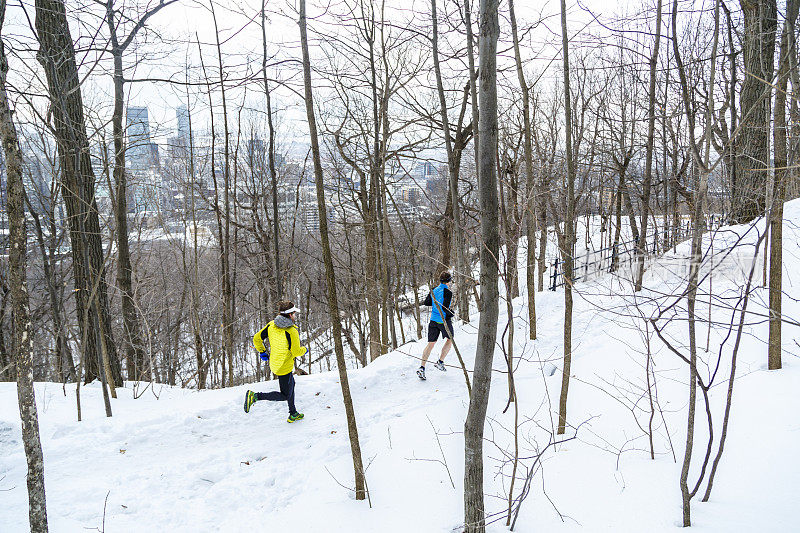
pixel 180 460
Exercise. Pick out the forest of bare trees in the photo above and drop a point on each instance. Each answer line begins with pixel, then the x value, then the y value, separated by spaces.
pixel 163 188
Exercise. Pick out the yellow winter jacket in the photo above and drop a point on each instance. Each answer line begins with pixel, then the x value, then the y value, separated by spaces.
pixel 284 346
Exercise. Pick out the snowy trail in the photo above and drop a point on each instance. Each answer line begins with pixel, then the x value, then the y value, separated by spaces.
pixel 194 461
pixel 200 452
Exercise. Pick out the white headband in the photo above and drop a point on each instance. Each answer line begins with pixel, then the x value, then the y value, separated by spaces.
pixel 290 311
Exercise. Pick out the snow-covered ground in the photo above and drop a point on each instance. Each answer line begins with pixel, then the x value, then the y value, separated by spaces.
pixel 183 460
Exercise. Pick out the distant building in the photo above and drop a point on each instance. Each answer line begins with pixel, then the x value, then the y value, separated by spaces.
pixel 412 195
pixel 309 212
pixel 257 155
pixel 141 153
pixel 436 188
pixel 184 131
pixel 403 212
pixel 152 155
pixel 607 199
pixel 425 171
pixel 177 149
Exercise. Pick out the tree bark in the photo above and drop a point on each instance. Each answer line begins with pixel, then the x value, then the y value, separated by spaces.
pixel 330 278
pixel 648 166
pixel 453 163
pixel 272 170
pixel 463 297
pixel 569 229
pixel 753 157
pixel 57 56
pixel 530 182
pixel 780 141
pixel 474 514
pixel 137 369
pixel 224 215
pixel 37 509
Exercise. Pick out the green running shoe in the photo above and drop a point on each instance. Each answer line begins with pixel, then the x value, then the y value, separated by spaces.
pixel 249 400
pixel 295 417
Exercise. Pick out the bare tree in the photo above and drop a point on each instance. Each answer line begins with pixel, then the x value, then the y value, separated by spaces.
pixel 18 240
pixel 648 168
pixel 271 154
pixel 779 187
pixel 474 514
pixel 748 192
pixel 473 89
pixel 453 164
pixel 567 238
pixel 137 367
pixel 530 182
pixel 700 155
pixel 333 306
pixel 57 56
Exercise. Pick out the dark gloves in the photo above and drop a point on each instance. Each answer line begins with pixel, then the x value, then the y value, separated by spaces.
pixel 264 356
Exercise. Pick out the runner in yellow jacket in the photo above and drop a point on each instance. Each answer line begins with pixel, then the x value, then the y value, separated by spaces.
pixel 284 347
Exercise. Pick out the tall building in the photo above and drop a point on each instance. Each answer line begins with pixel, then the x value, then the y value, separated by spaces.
pixel 177 148
pixel 139 150
pixel 425 171
pixel 182 114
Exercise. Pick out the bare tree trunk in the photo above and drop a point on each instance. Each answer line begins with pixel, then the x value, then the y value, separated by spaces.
pixel 386 311
pixel 753 158
pixel 415 284
pixel 629 206
pixel 222 213
pixel 698 200
pixel 37 508
pixel 463 297
pixel 57 56
pixel 530 188
pixel 137 367
pixel 453 171
pixel 617 229
pixel 272 171
pixel 453 162
pixel 569 230
pixel 194 311
pixel 8 370
pixel 648 166
pixel 733 139
pixel 372 220
pixel 333 304
pixel 691 296
pixel 779 189
pixel 542 226
pixel 474 514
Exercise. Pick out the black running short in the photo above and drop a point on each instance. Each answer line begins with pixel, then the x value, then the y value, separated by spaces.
pixel 434 328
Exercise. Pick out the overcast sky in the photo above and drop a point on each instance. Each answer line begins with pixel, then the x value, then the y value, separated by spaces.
pixel 172 41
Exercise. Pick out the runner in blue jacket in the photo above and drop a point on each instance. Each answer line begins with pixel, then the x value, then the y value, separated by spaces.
pixel 440 300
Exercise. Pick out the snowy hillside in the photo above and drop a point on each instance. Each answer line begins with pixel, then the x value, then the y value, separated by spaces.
pixel 182 460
